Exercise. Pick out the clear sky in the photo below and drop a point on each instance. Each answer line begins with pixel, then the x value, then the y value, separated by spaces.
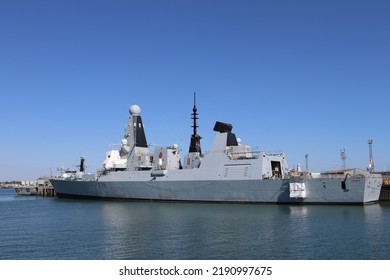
pixel 303 77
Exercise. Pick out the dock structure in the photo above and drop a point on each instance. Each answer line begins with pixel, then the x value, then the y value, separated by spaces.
pixel 45 189
pixel 385 191
pixel 41 187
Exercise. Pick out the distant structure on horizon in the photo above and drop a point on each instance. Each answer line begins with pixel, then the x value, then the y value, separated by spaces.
pixel 343 156
pixel 307 162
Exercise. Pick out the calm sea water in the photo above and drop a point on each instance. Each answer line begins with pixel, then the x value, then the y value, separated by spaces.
pixel 49 228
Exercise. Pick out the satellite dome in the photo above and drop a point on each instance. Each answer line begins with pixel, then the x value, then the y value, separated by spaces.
pixel 135 110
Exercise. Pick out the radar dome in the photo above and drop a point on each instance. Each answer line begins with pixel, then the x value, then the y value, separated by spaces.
pixel 135 110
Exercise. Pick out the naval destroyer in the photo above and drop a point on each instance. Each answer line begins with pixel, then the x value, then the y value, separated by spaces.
pixel 230 172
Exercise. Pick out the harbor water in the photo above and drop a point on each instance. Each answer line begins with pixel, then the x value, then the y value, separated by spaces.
pixel 36 228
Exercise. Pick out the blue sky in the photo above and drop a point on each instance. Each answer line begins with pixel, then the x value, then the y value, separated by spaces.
pixel 304 77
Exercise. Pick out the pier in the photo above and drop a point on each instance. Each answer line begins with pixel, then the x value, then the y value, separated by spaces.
pixel 45 189
pixel 385 191
pixel 41 187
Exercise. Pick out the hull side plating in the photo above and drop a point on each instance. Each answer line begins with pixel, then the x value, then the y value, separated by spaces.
pixel 239 191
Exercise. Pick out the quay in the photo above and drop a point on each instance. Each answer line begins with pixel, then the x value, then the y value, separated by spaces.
pixel 385 190
pixel 45 189
pixel 41 187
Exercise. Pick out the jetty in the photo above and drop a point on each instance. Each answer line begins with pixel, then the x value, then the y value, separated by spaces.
pixel 41 187
pixel 385 190
pixel 45 188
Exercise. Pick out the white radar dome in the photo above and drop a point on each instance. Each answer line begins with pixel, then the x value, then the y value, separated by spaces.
pixel 135 110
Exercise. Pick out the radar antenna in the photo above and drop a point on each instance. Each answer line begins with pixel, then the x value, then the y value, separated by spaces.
pixel 195 137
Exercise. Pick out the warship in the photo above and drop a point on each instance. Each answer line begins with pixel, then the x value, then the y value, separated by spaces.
pixel 229 173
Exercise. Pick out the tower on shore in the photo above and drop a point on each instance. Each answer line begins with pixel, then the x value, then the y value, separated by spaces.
pixel 343 156
pixel 371 163
pixel 307 162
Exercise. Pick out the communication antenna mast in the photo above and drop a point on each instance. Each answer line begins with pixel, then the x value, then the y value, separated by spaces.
pixel 195 137
pixel 343 158
pixel 371 163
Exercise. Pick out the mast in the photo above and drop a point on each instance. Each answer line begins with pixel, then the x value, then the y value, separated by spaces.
pixel 82 166
pixel 134 151
pixel 195 137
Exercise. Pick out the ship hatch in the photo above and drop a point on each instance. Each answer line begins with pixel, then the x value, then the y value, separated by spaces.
pixel 276 169
pixel 236 171
pixel 297 190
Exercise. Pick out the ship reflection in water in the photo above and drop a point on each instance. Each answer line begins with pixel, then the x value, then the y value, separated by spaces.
pixel 215 231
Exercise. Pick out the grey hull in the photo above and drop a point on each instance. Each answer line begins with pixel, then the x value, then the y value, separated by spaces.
pixel 358 191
